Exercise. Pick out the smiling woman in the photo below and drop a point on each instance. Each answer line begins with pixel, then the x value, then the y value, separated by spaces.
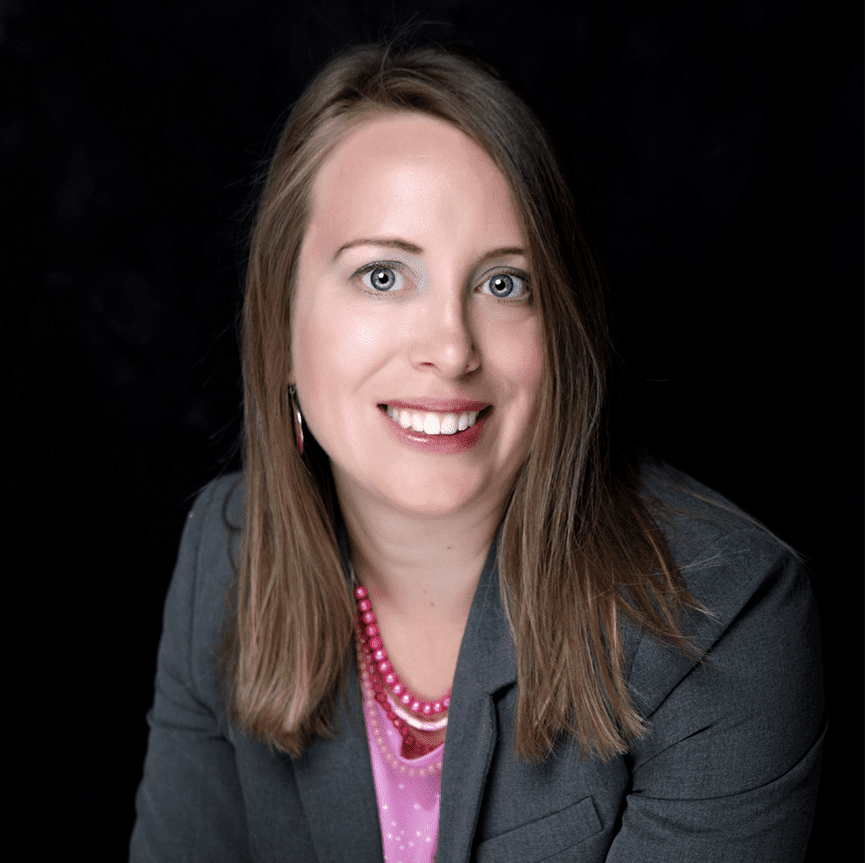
pixel 446 598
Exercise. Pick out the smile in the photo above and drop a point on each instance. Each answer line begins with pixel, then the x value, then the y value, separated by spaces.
pixel 434 422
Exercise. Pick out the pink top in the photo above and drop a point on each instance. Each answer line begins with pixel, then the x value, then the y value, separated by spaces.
pixel 408 789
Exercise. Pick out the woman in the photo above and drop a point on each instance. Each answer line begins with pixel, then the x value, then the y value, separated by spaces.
pixel 445 607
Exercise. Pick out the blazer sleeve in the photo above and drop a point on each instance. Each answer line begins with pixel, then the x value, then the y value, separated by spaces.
pixel 730 770
pixel 189 804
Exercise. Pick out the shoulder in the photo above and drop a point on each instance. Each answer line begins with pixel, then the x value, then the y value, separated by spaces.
pixel 198 596
pixel 750 705
pixel 756 588
pixel 719 547
pixel 211 536
pixel 218 507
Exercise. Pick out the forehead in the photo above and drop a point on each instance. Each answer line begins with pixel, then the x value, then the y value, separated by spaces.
pixel 410 172
pixel 408 136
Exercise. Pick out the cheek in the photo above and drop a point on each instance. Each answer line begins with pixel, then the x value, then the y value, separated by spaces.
pixel 313 342
pixel 533 362
pixel 335 345
pixel 520 358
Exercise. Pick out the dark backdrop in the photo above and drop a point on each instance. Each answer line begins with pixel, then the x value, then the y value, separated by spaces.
pixel 719 146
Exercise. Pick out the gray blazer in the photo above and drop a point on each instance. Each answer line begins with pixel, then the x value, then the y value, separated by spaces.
pixel 728 772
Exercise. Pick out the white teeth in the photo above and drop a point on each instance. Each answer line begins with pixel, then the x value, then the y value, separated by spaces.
pixel 433 423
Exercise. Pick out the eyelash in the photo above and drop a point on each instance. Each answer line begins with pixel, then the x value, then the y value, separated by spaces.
pixel 504 271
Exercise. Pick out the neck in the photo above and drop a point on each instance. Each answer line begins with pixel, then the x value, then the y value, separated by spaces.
pixel 416 567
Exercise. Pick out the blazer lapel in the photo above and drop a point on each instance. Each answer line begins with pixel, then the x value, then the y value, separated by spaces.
pixel 486 663
pixel 335 782
pixel 334 777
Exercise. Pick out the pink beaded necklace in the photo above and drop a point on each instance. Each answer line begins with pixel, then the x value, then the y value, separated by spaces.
pixel 383 676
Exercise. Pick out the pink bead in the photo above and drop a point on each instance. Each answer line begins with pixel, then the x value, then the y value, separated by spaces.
pixel 381 672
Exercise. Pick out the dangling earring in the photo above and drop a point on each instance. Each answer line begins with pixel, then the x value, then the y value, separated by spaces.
pixel 298 418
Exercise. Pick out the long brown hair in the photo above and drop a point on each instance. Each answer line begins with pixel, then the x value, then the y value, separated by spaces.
pixel 577 529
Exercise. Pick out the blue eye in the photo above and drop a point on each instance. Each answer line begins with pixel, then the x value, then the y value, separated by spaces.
pixel 507 285
pixel 381 278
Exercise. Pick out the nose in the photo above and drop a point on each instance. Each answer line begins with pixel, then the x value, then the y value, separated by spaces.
pixel 443 336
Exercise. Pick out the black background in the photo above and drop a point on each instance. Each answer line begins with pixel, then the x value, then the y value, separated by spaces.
pixel 720 148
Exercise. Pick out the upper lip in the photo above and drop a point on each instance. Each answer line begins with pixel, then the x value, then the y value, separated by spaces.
pixel 447 405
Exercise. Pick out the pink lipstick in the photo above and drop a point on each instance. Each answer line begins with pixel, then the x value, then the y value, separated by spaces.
pixel 439 444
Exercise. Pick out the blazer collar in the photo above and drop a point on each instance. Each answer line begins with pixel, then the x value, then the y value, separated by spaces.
pixel 335 779
pixel 486 664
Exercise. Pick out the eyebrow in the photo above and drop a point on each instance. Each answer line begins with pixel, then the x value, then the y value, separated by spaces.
pixel 417 250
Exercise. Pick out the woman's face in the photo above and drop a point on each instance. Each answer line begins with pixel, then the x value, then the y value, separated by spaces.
pixel 413 287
